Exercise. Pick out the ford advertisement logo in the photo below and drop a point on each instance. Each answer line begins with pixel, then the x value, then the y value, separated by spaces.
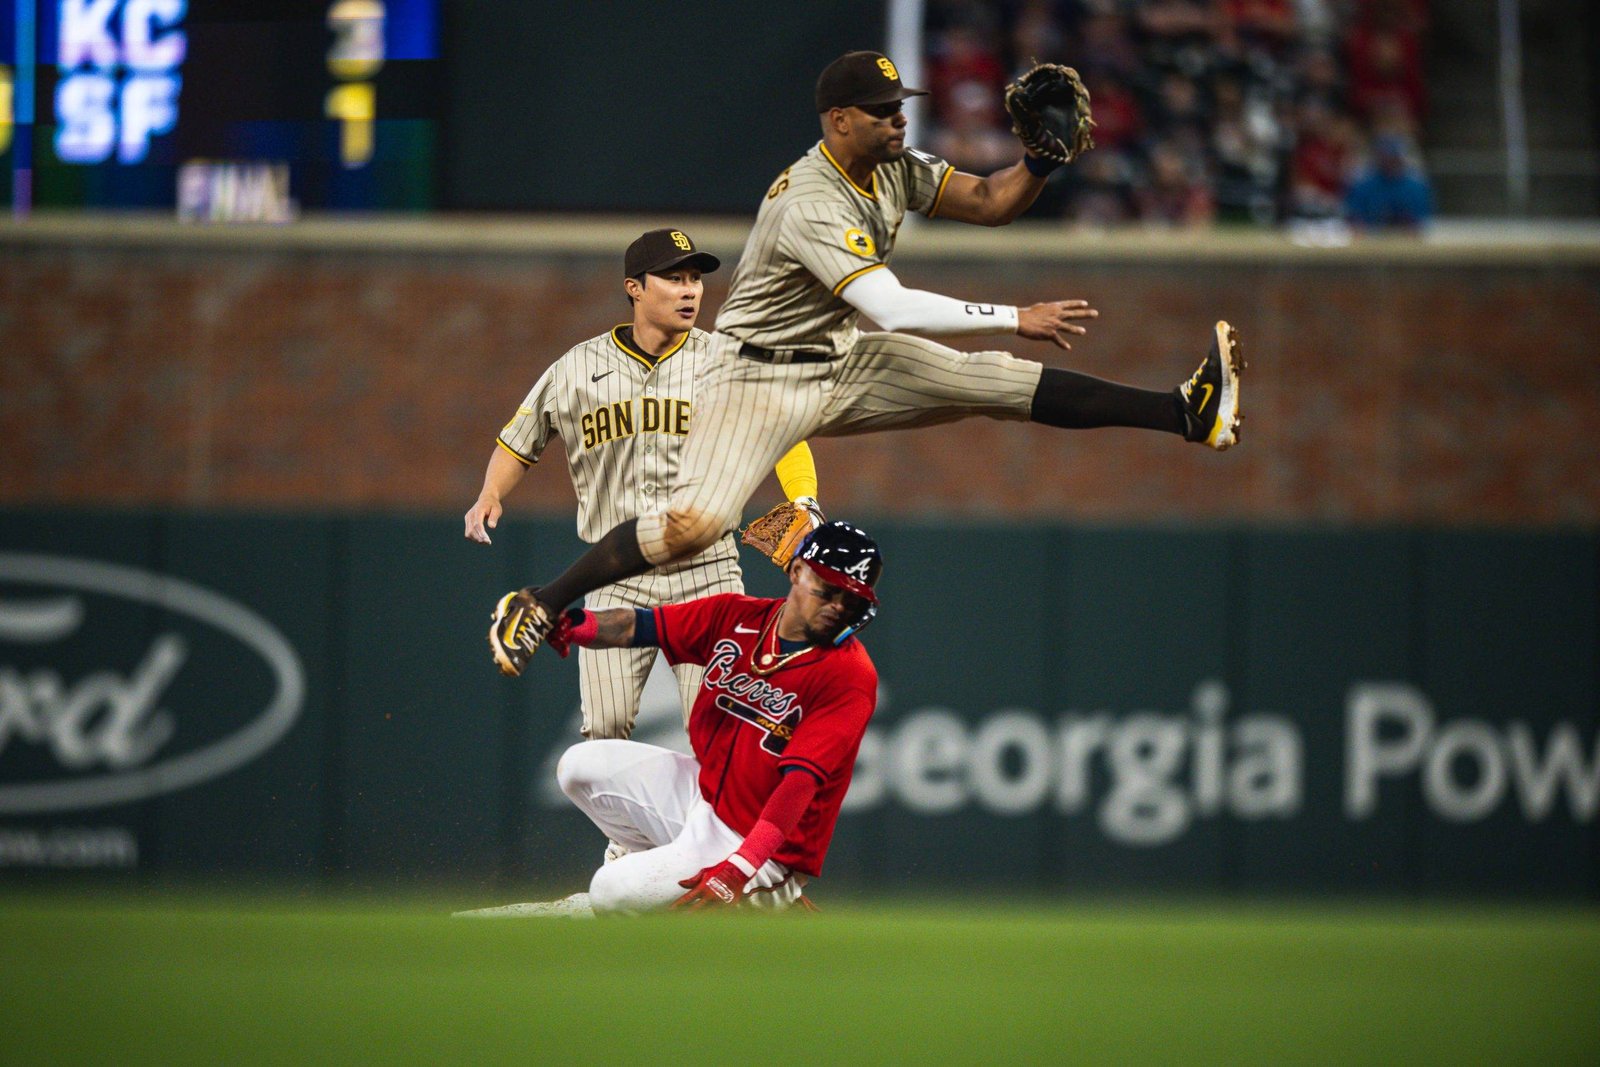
pixel 104 735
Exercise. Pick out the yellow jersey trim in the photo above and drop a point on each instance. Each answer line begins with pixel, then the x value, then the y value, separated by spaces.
pixel 640 356
pixel 524 460
pixel 829 157
pixel 938 196
pixel 853 275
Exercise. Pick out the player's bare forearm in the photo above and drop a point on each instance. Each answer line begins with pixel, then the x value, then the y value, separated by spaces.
pixel 614 628
pixel 501 476
pixel 992 201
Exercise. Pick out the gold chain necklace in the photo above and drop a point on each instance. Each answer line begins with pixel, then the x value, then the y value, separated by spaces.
pixel 768 662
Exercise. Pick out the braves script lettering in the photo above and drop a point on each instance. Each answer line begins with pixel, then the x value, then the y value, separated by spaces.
pixel 756 692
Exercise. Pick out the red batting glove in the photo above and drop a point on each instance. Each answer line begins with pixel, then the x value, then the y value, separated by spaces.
pixel 559 639
pixel 575 627
pixel 721 886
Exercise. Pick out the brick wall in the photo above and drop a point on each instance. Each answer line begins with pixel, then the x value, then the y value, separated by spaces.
pixel 297 377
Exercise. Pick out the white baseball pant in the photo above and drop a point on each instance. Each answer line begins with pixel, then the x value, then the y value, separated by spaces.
pixel 648 799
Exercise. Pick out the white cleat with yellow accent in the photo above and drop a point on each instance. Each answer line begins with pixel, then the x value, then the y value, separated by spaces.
pixel 1210 398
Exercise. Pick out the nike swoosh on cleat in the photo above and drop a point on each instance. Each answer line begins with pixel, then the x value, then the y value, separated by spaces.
pixel 597 377
pixel 1209 388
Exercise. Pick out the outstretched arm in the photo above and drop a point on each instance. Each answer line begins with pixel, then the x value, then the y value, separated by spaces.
pixel 879 295
pixel 1049 108
pixel 606 628
pixel 995 200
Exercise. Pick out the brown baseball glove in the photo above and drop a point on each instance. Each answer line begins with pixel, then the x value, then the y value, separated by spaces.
pixel 779 532
pixel 1049 109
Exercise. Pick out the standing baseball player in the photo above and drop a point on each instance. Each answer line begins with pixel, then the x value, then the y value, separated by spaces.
pixel 623 403
pixel 789 361
pixel 786 694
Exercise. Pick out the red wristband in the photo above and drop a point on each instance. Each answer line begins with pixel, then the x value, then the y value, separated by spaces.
pixel 585 628
pixel 760 843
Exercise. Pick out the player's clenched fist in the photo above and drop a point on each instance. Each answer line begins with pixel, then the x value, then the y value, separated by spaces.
pixel 1054 321
pixel 721 886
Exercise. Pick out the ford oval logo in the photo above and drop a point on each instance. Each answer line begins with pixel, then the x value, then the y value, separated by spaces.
pixel 104 720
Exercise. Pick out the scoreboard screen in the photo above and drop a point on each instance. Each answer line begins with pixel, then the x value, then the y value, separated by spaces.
pixel 120 103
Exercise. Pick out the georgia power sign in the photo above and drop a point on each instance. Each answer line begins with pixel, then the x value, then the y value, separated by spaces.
pixel 109 737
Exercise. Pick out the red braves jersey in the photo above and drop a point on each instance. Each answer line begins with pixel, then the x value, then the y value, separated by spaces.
pixel 760 711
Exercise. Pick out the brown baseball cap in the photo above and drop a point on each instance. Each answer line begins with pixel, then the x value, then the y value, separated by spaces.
pixel 661 250
pixel 857 78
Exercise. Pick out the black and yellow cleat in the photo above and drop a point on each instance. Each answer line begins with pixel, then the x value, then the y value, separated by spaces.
pixel 519 625
pixel 1210 399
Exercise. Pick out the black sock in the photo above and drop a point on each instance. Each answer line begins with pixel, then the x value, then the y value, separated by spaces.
pixel 614 557
pixel 1076 401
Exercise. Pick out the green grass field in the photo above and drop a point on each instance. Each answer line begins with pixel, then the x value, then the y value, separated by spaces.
pixel 176 982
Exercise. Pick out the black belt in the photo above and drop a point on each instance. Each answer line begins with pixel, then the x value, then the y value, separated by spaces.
pixel 780 355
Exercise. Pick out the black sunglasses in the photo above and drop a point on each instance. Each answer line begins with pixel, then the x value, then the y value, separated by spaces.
pixel 881 111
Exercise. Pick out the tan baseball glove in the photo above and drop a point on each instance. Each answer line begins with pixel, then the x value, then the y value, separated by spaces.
pixel 779 532
pixel 1050 114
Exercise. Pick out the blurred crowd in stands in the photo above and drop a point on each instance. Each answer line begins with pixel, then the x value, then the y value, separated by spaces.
pixel 1209 111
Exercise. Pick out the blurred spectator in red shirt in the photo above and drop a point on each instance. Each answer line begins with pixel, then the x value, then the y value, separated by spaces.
pixel 972 138
pixel 964 54
pixel 1118 120
pixel 1323 153
pixel 1385 59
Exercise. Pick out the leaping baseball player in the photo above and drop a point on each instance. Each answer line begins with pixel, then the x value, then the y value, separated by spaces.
pixel 789 362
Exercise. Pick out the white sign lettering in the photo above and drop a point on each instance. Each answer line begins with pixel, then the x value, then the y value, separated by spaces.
pixel 1468 767
pixel 117 95
pixel 110 733
pixel 1165 770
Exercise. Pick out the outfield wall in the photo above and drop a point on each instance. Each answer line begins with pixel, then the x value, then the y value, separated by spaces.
pixel 349 364
pixel 307 700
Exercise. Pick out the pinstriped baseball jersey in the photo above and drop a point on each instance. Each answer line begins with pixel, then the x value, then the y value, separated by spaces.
pixel 624 420
pixel 816 232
